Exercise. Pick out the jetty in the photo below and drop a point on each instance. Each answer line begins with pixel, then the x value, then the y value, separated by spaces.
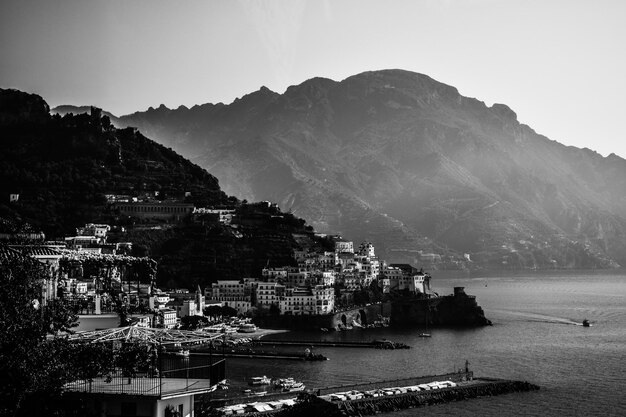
pixel 369 398
pixel 377 344
pixel 264 355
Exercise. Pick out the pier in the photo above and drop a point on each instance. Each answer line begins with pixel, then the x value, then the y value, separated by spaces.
pixel 264 355
pixel 377 344
pixel 373 397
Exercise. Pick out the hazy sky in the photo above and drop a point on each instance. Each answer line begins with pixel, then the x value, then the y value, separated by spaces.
pixel 561 65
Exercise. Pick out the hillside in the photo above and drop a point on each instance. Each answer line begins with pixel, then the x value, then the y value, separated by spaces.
pixel 407 162
pixel 63 166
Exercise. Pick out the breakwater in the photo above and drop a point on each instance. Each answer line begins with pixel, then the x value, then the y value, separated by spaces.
pixel 310 404
pixel 460 376
pixel 477 388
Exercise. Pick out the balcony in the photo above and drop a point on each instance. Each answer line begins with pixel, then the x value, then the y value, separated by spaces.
pixel 175 377
pixel 143 362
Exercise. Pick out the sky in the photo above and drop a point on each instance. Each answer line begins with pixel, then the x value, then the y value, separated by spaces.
pixel 559 64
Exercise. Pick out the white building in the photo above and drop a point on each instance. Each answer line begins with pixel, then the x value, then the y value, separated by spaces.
pixel 342 245
pixel 268 293
pixel 298 278
pixel 242 306
pixel 274 274
pixel 367 249
pixel 236 294
pixel 166 318
pixel 327 279
pixel 308 301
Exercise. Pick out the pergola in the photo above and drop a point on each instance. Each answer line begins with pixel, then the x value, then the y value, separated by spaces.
pixel 145 334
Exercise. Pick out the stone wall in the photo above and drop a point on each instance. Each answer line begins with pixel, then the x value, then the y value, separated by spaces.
pixel 362 316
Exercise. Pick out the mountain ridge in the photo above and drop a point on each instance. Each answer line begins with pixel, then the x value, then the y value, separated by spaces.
pixel 400 158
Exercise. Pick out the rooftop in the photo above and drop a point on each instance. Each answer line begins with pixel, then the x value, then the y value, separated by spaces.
pixel 151 387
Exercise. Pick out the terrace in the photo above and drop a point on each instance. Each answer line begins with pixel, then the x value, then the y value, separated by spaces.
pixel 145 369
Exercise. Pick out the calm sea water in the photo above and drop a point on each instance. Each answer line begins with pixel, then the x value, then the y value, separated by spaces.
pixel 536 337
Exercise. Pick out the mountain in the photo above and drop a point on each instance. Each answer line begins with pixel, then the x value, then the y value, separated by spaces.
pixel 407 162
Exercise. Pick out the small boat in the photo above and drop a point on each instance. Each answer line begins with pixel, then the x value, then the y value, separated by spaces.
pixel 298 386
pixel 182 352
pixel 259 380
pixel 288 385
pixel 586 323
pixel 424 335
pixel 284 382
pixel 247 328
pixel 259 393
pixel 324 329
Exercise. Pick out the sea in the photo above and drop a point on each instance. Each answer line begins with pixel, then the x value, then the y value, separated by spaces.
pixel 537 336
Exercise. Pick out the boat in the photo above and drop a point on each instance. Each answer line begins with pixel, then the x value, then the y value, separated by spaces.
pixel 259 380
pixel 586 323
pixel 247 328
pixel 283 382
pixel 259 393
pixel 296 387
pixel 424 335
pixel 324 329
pixel 182 352
pixel 288 385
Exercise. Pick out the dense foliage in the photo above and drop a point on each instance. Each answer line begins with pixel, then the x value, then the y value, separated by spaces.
pixel 62 167
pixel 136 269
pixel 37 358
pixel 33 367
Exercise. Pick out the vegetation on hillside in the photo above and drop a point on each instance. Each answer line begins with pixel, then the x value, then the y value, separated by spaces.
pixel 63 166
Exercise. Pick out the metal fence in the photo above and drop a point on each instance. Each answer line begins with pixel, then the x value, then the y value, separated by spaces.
pixel 171 375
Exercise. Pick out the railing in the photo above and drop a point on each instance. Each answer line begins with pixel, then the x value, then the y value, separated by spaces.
pixel 174 375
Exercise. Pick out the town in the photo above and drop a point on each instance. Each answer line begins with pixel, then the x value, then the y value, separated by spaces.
pixel 169 343
pixel 97 276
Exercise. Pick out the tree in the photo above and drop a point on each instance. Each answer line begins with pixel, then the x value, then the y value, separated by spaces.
pixel 193 322
pixel 33 367
pixel 274 310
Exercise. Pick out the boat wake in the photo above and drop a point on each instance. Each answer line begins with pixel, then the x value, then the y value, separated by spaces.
pixel 541 318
